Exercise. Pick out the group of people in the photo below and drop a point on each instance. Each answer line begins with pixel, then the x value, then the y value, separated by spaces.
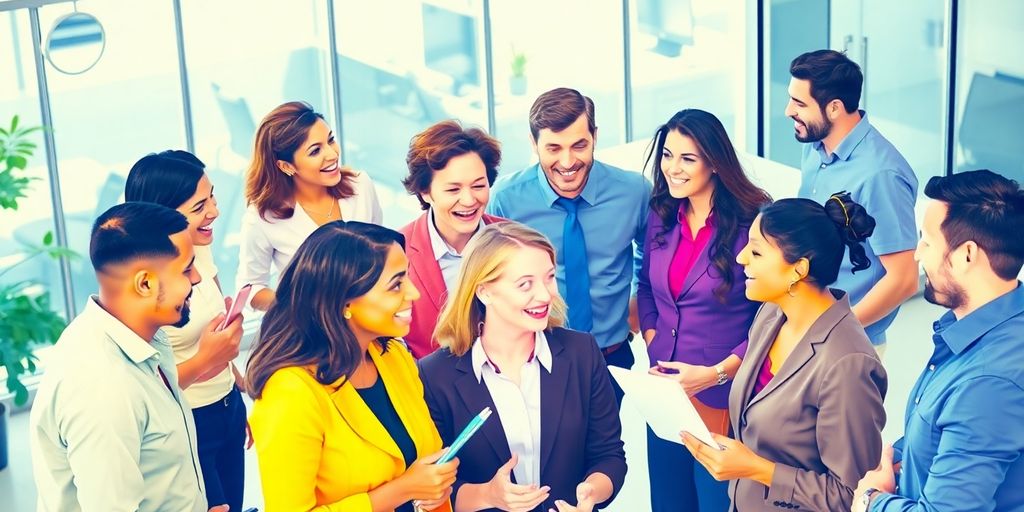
pixel 377 346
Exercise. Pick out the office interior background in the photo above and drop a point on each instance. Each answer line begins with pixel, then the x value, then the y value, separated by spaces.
pixel 944 81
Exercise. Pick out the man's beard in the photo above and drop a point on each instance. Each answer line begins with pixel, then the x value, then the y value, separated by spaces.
pixel 184 310
pixel 184 317
pixel 953 297
pixel 815 132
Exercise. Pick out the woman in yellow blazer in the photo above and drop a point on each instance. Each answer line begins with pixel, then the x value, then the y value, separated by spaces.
pixel 339 418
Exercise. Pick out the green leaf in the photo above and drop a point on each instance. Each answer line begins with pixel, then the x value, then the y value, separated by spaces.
pixel 26 321
pixel 14 124
pixel 48 238
pixel 17 162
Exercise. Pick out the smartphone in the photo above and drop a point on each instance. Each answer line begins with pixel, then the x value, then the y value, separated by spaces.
pixel 664 370
pixel 241 299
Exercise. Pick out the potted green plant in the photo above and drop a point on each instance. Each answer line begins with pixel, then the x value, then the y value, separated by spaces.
pixel 26 318
pixel 517 82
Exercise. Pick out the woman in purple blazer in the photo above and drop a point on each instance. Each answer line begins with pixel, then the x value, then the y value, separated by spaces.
pixel 694 313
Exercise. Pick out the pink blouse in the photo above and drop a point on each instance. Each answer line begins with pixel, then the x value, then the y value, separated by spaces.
pixel 688 251
pixel 764 376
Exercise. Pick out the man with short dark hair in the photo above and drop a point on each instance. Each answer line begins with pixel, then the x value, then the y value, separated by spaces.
pixel 110 430
pixel 844 152
pixel 594 214
pixel 962 448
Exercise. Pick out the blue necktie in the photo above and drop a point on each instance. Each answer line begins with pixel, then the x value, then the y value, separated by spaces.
pixel 577 273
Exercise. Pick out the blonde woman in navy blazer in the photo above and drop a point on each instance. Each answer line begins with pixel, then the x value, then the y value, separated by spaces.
pixel 693 310
pixel 555 438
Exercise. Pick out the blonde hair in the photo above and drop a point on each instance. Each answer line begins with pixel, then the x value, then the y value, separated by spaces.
pixel 482 263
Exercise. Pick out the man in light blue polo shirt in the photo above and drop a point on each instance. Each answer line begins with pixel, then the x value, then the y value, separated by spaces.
pixel 594 214
pixel 844 152
pixel 110 429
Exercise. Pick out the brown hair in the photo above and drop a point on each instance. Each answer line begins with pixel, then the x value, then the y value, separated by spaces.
pixel 559 108
pixel 833 76
pixel 278 137
pixel 735 201
pixel 432 149
pixel 304 327
pixel 483 261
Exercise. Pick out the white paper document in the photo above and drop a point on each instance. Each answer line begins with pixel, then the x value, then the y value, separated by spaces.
pixel 664 405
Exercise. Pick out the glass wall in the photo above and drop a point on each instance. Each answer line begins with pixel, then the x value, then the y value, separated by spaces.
pixel 400 74
pixel 791 27
pixel 990 87
pixel 902 52
pixel 28 225
pixel 905 90
pixel 689 54
pixel 241 65
pixel 571 43
pixel 126 106
pixel 405 64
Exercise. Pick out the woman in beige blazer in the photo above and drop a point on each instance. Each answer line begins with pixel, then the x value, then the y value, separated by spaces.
pixel 806 403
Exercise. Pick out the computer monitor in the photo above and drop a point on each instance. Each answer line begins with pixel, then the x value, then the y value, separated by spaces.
pixel 991 128
pixel 670 21
pixel 449 45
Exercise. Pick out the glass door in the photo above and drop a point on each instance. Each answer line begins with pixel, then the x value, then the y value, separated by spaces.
pixel 902 50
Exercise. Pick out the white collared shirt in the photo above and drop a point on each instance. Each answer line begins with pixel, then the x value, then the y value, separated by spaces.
pixel 447 257
pixel 207 302
pixel 106 432
pixel 273 241
pixel 518 407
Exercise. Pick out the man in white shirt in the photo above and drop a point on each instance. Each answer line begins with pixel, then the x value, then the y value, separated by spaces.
pixel 109 428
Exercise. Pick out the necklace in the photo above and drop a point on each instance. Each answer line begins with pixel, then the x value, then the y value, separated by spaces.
pixel 328 215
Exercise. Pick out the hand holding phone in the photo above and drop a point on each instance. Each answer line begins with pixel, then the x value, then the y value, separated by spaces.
pixel 239 302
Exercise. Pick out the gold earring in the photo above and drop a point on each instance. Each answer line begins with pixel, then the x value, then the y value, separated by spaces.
pixel 789 291
pixel 347 314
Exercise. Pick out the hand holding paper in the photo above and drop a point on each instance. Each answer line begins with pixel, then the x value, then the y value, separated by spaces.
pixel 664 405
pixel 731 461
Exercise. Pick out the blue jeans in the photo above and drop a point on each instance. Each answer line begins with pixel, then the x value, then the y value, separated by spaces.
pixel 220 433
pixel 679 482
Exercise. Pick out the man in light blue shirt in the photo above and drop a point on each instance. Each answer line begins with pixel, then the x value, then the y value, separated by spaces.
pixel 844 152
pixel 109 428
pixel 594 214
pixel 962 448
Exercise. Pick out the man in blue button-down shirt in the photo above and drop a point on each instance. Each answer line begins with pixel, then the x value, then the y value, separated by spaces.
pixel 612 212
pixel 963 447
pixel 844 152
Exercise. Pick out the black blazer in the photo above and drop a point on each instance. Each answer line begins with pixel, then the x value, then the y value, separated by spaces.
pixel 580 429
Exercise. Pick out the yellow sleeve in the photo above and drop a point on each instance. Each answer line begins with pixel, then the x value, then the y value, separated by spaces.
pixel 409 367
pixel 288 423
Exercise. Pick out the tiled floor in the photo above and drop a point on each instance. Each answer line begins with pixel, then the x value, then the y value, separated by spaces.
pixel 909 348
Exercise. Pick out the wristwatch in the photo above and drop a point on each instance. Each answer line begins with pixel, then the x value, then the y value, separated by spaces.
pixel 864 501
pixel 722 376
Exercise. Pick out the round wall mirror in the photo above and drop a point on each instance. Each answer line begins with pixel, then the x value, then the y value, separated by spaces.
pixel 75 43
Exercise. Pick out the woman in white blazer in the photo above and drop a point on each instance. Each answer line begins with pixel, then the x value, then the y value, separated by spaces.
pixel 295 184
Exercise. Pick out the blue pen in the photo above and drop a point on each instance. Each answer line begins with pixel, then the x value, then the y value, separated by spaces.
pixel 471 428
